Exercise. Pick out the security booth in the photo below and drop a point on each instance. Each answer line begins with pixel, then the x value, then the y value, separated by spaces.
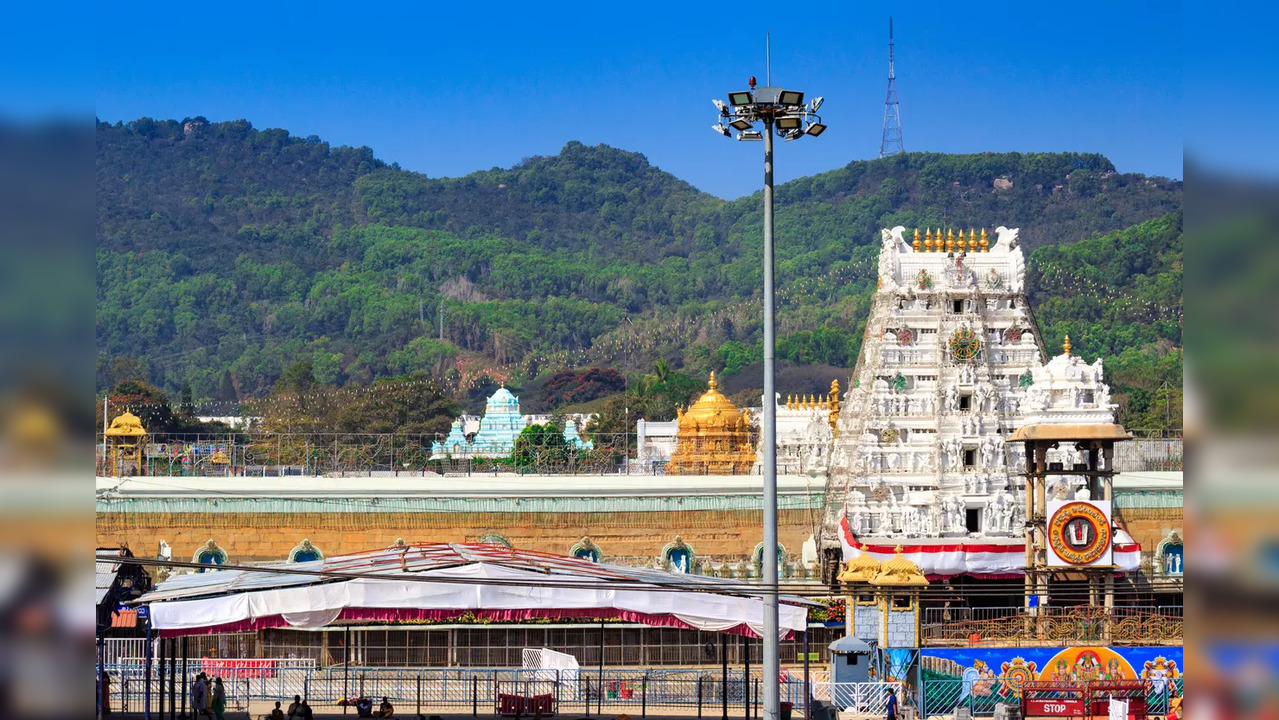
pixel 850 660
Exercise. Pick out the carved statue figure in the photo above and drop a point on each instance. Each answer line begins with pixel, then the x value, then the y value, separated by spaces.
pixel 980 397
pixel 988 453
pixel 888 255
pixel 952 398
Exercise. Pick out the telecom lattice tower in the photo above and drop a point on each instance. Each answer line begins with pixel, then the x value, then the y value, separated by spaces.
pixel 891 143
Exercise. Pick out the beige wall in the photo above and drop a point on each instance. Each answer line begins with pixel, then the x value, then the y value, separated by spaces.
pixel 719 536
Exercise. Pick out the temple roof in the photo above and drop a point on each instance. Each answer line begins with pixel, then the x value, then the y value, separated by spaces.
pixel 1107 431
pixel 898 571
pixel 861 569
pixel 126 425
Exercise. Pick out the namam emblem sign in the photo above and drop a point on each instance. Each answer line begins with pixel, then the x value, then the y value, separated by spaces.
pixel 1079 533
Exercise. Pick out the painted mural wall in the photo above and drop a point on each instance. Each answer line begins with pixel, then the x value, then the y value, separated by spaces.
pixel 1000 672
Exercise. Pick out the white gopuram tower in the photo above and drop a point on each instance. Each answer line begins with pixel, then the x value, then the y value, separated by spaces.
pixel 920 451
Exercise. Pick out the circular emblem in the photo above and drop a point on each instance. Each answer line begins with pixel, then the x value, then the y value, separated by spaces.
pixel 964 343
pixel 1013 334
pixel 1079 533
pixel 905 337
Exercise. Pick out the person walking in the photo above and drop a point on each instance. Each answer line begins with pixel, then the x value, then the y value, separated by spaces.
pixel 199 696
pixel 891 711
pixel 219 699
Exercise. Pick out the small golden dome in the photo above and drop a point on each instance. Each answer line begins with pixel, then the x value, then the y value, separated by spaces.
pixel 126 425
pixel 860 569
pixel 899 571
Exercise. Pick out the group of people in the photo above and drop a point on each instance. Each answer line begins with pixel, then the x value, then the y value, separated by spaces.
pixel 208 699
pixel 298 709
pixel 364 709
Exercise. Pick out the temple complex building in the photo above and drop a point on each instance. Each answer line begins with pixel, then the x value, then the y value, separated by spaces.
pixel 714 437
pixel 494 434
pixel 950 368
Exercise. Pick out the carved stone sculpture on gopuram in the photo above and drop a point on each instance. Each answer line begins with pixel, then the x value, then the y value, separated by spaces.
pixel 947 371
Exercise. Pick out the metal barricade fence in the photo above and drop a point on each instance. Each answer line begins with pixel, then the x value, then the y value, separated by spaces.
pixel 864 698
pixel 474 689
pixel 942 696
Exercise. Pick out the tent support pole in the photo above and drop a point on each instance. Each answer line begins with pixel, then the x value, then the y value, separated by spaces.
pixel 185 692
pixel 746 676
pixel 601 687
pixel 160 676
pixel 346 667
pixel 146 673
pixel 723 677
pixel 807 694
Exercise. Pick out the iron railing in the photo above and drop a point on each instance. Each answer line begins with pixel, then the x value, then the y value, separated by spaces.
pixel 1057 625
pixel 475 690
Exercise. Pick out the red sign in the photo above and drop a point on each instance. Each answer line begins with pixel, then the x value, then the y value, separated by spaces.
pixel 1065 707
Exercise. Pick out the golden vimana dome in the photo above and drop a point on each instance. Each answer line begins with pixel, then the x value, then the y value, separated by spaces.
pixel 712 410
pixel 714 437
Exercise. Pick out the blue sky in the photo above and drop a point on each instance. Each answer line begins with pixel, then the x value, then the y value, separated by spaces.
pixel 451 88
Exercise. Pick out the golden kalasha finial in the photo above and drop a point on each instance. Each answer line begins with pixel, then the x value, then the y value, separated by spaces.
pixel 915 244
pixel 985 247
pixel 928 240
pixel 1066 345
pixel 711 385
pixel 810 401
pixel 950 240
pixel 972 240
pixel 941 244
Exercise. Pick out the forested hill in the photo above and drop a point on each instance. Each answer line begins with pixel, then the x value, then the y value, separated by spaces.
pixel 226 253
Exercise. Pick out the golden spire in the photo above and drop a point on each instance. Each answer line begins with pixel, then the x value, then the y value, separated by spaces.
pixel 985 247
pixel 928 240
pixel 1066 345
pixel 972 240
pixel 915 244
pixel 712 384
pixel 833 419
pixel 950 240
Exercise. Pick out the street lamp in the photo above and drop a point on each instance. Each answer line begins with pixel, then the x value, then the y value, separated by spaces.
pixel 784 112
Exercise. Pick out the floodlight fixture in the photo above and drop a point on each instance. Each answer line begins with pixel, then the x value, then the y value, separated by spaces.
pixel 815 129
pixel 721 130
pixel 719 105
pixel 793 135
pixel 741 124
pixel 750 135
pixel 788 122
pixel 815 103
pixel 740 99
pixel 791 97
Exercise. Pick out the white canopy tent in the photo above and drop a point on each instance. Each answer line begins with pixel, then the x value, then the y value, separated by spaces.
pixel 406 583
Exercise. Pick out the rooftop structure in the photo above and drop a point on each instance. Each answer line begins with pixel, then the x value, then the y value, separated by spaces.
pixel 714 437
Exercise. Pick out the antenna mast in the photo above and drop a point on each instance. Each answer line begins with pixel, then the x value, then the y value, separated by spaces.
pixel 891 142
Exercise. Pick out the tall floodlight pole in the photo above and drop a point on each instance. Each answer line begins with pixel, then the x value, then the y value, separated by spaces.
pixel 782 112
